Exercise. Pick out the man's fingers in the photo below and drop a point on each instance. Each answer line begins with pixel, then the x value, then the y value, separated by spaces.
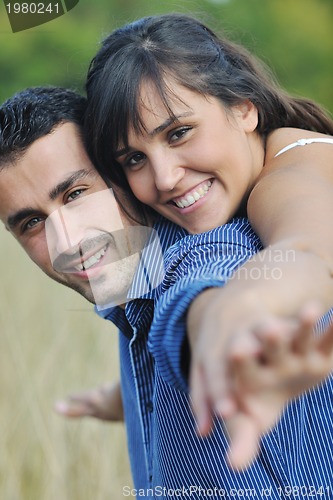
pixel 242 364
pixel 73 409
pixel 103 403
pixel 275 336
pixel 325 343
pixel 244 441
pixel 304 336
pixel 199 401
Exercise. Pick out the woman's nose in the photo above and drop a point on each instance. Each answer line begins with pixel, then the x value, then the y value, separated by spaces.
pixel 168 172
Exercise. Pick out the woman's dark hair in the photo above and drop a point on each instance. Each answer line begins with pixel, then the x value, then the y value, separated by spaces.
pixel 180 47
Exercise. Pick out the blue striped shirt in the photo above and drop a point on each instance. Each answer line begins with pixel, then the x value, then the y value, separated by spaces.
pixel 167 457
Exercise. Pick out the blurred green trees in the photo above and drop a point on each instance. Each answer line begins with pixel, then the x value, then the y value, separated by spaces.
pixel 293 37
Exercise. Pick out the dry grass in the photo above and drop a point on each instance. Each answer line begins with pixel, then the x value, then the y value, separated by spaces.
pixel 51 344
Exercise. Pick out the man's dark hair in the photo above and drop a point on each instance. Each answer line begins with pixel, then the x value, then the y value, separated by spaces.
pixel 34 113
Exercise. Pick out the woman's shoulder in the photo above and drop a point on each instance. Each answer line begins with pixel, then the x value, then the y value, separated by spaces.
pixel 283 139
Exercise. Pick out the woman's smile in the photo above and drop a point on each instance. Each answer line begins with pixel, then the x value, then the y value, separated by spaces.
pixel 193 196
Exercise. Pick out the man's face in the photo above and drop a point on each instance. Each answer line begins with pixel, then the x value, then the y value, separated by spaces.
pixel 63 214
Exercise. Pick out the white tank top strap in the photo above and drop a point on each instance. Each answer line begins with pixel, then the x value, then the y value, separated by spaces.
pixel 304 142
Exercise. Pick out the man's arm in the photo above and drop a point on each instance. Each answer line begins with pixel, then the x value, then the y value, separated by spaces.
pixel 196 263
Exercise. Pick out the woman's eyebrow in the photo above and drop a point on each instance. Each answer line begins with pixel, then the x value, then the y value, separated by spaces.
pixel 169 121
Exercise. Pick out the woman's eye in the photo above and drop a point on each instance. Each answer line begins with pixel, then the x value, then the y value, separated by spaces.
pixel 134 160
pixel 179 133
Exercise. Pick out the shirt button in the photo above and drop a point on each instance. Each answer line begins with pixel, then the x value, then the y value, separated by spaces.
pixel 150 406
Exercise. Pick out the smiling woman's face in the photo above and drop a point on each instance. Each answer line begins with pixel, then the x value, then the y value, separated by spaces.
pixel 195 170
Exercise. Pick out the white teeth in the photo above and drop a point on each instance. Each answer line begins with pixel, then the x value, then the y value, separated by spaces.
pixel 194 196
pixel 91 261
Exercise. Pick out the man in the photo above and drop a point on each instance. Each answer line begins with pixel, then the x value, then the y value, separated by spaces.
pixel 63 213
pixel 44 170
pixel 66 217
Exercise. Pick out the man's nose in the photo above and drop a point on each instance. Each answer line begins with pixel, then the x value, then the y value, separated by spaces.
pixel 63 232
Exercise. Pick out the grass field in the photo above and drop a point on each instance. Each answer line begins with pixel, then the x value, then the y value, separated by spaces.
pixel 52 344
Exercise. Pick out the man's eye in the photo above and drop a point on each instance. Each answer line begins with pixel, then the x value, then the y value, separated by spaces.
pixel 74 194
pixel 31 223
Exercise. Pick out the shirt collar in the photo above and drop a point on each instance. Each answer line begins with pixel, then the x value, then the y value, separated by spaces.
pixel 138 312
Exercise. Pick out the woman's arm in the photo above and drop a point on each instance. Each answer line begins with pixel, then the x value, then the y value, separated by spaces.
pixel 291 210
pixel 291 204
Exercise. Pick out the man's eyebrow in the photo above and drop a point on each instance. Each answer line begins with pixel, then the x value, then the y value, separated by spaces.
pixel 15 219
pixel 169 121
pixel 67 183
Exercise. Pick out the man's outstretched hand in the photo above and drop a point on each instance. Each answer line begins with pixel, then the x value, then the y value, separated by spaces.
pixel 103 403
pixel 266 366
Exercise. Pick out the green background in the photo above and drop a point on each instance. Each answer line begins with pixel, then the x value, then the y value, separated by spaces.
pixel 292 36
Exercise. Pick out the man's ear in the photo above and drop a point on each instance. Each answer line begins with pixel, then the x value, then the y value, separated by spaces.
pixel 247 115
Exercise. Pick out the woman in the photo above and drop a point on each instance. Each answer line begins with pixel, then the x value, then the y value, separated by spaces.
pixel 195 129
